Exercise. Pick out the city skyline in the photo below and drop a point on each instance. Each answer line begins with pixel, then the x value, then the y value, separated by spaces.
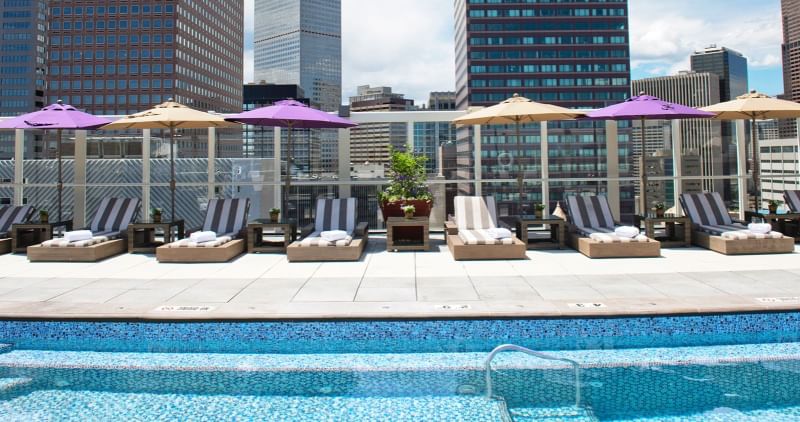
pixel 663 36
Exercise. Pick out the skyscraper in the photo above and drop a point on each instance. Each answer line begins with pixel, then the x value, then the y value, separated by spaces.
pixel 569 53
pixel 300 42
pixel 790 10
pixel 119 57
pixel 370 142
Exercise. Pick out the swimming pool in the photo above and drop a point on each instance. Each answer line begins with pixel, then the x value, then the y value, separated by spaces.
pixel 722 367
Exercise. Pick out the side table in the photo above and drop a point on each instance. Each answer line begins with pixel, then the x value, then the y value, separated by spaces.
pixel 419 241
pixel 142 236
pixel 258 229
pixel 673 235
pixel 552 236
pixel 29 234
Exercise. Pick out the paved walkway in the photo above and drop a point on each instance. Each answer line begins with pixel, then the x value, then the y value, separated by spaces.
pixel 399 285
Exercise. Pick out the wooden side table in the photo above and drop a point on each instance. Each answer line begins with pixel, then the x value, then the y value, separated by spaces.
pixel 257 229
pixel 142 236
pixel 420 241
pixel 780 222
pixel 29 234
pixel 673 235
pixel 554 228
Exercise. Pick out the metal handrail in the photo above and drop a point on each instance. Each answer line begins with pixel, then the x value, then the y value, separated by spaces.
pixel 487 364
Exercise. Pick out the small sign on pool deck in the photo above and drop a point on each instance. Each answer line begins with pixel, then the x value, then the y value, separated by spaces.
pixel 173 308
pixel 784 299
pixel 586 305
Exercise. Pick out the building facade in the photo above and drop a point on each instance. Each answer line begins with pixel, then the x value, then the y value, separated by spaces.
pixel 370 142
pixel 569 53
pixel 779 165
pixel 430 138
pixel 790 12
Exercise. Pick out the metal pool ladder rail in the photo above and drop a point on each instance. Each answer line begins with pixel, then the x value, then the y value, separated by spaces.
pixel 487 365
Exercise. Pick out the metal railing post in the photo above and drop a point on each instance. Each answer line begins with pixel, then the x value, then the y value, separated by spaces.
pixel 212 161
pixel 545 160
pixel 19 158
pixel 476 142
pixel 344 163
pixel 612 167
pixel 677 164
pixel 145 214
pixel 79 184
pixel 741 166
pixel 276 174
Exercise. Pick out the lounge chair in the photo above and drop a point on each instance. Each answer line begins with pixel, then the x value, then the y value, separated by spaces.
pixel 715 229
pixel 592 228
pixel 227 218
pixel 792 200
pixel 470 238
pixel 109 228
pixel 331 214
pixel 10 215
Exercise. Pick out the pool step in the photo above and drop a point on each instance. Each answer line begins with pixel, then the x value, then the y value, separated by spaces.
pixel 551 414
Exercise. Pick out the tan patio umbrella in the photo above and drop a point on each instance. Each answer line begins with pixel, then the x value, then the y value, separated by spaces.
pixel 518 110
pixel 754 106
pixel 170 115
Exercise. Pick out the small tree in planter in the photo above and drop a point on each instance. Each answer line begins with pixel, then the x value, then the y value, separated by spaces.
pixel 659 208
pixel 408 210
pixel 408 186
pixel 773 205
pixel 44 217
pixel 156 214
pixel 538 210
pixel 274 214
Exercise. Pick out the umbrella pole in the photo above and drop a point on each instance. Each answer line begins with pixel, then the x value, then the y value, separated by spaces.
pixel 60 186
pixel 172 168
pixel 756 187
pixel 643 174
pixel 520 178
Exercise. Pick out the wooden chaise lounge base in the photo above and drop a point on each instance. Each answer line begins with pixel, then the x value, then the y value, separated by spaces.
pixel 222 253
pixel 5 246
pixel 742 246
pixel 93 253
pixel 351 252
pixel 595 249
pixel 462 251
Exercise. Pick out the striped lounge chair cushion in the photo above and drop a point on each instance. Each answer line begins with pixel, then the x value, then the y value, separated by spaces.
pixel 333 214
pixel 708 213
pixel 114 215
pixel 13 215
pixel 187 243
pixel 482 237
pixel 608 236
pixel 792 199
pixel 475 212
pixel 61 243
pixel 314 239
pixel 590 213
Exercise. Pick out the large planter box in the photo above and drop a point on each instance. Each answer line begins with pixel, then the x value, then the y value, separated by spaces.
pixel 422 208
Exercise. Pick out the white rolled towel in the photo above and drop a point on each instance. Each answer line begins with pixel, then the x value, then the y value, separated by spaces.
pixel 760 228
pixel 626 231
pixel 499 233
pixel 77 235
pixel 201 237
pixel 333 235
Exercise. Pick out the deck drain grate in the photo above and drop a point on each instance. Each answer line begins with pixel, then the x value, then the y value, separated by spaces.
pixel 168 308
pixel 594 305
pixel 458 307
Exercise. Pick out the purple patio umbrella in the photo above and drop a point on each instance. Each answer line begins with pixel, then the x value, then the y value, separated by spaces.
pixel 645 107
pixel 59 117
pixel 290 114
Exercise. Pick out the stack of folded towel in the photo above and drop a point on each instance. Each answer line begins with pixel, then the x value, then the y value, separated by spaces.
pixel 626 231
pixel 77 235
pixel 333 235
pixel 499 233
pixel 759 228
pixel 202 237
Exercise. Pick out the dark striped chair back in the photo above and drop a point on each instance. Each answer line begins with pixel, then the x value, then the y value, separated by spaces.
pixel 336 214
pixel 590 212
pixel 706 209
pixel 14 215
pixel 114 215
pixel 475 212
pixel 792 199
pixel 226 217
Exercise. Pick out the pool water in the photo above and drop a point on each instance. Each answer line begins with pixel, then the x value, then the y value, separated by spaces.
pixel 55 377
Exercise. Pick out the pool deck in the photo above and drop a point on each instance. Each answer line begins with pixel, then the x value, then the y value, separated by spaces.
pixel 561 283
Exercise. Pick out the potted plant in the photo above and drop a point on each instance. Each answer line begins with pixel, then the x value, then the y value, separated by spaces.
pixel 659 208
pixel 772 205
pixel 274 214
pixel 407 186
pixel 538 210
pixel 156 214
pixel 44 217
pixel 408 211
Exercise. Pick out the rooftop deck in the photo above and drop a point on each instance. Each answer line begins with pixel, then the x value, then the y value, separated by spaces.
pixel 400 285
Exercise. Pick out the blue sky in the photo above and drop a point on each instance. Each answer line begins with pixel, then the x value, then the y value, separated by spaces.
pixel 408 44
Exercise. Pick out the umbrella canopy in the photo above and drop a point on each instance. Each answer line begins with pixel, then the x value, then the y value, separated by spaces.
pixel 170 115
pixel 517 110
pixel 291 114
pixel 754 106
pixel 646 107
pixel 58 116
